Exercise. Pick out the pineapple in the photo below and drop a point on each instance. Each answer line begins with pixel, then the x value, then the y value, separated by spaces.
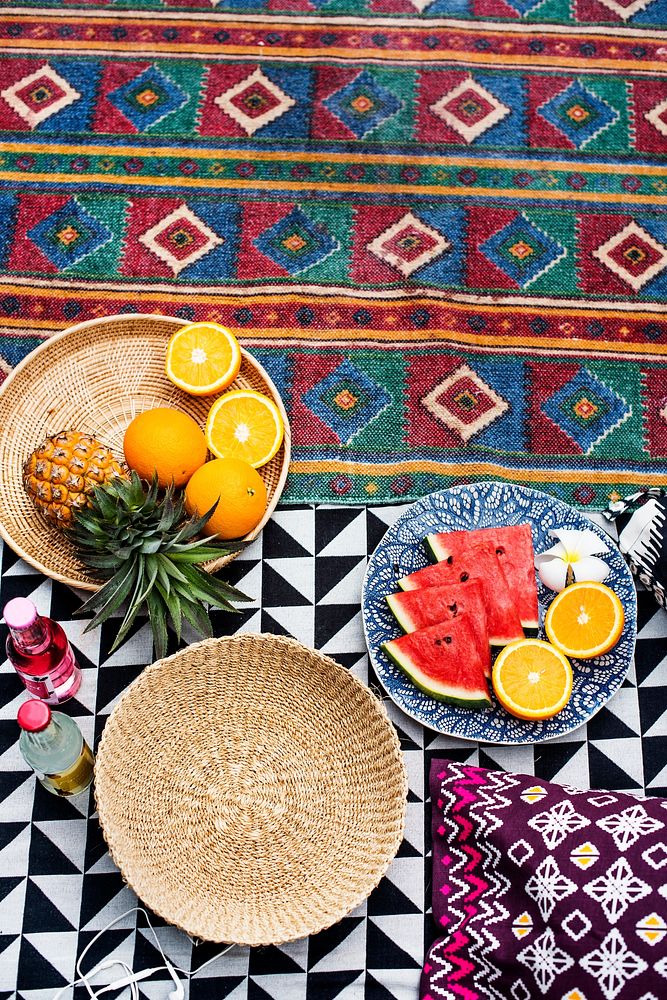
pixel 141 543
pixel 61 474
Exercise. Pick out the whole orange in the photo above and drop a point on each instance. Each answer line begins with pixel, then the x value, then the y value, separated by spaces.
pixel 239 490
pixel 167 442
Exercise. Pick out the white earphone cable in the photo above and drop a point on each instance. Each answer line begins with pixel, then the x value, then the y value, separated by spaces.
pixel 130 978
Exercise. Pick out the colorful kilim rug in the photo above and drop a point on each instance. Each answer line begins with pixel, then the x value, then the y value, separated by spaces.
pixel 440 224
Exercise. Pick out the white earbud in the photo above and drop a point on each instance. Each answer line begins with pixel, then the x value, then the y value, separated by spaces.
pixel 179 992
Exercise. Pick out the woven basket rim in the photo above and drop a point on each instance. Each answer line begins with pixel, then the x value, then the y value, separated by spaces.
pixel 288 644
pixel 101 321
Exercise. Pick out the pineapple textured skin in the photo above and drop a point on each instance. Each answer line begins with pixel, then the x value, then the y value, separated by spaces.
pixel 62 473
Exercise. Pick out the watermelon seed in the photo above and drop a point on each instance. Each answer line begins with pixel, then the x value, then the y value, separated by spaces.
pixel 464 577
pixel 438 642
pixel 500 551
pixel 450 560
pixel 448 639
pixel 453 609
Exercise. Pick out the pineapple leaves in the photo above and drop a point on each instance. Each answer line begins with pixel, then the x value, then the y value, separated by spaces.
pixel 140 542
pixel 194 526
pixel 156 614
pixel 109 598
pixel 192 556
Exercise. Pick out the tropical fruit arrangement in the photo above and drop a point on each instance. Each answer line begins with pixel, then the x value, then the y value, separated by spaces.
pixel 472 618
pixel 146 523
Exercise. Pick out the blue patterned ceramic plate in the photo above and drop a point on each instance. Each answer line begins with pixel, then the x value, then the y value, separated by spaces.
pixel 481 505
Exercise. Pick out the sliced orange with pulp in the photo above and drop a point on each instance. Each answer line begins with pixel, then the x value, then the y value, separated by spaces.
pixel 532 679
pixel 585 620
pixel 245 424
pixel 202 358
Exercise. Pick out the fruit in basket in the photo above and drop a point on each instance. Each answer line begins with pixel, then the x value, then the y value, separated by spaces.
pixel 203 358
pixel 514 547
pixel 62 473
pixel 532 679
pixel 245 424
pixel 238 490
pixel 585 620
pixel 164 442
pixel 141 543
pixel 442 660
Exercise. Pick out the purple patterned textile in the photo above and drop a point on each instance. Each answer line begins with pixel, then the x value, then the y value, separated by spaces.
pixel 545 891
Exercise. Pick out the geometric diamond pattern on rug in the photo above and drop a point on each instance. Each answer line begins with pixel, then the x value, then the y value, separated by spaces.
pixel 409 244
pixel 39 95
pixel 578 113
pixel 254 102
pixel 422 5
pixel 626 9
pixel 69 234
pixel 633 255
pixel 465 403
pixel 347 400
pixel 657 116
pixel 148 98
pixel 470 109
pixel 363 104
pixel 524 7
pixel 523 251
pixel 51 842
pixel 180 239
pixel 586 409
pixel 296 243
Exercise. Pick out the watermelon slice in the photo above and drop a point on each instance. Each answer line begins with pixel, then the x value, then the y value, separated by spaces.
pixel 443 661
pixel 415 609
pixel 480 563
pixel 514 548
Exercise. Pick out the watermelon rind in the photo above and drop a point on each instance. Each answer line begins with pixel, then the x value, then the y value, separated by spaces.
pixel 404 621
pixel 434 547
pixel 460 697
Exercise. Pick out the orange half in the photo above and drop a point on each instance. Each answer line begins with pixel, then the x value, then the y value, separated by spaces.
pixel 585 620
pixel 202 358
pixel 532 679
pixel 245 424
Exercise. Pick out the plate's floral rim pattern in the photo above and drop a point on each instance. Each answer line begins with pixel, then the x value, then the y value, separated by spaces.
pixel 479 505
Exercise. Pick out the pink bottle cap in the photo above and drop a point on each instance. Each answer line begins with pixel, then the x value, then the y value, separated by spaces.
pixel 20 613
pixel 34 715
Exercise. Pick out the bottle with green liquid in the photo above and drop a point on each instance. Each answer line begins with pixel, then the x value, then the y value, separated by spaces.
pixel 53 745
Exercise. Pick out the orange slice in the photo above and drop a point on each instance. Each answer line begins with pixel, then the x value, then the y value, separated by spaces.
pixel 585 620
pixel 203 358
pixel 532 679
pixel 245 424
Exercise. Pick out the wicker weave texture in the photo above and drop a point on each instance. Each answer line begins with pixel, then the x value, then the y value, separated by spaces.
pixel 250 790
pixel 96 377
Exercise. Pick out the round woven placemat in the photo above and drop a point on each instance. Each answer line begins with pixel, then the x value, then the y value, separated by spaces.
pixel 95 377
pixel 250 790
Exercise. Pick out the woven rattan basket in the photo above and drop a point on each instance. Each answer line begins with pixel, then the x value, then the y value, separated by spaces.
pixel 250 790
pixel 96 377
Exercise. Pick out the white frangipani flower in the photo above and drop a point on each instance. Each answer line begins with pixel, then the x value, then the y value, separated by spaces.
pixel 572 559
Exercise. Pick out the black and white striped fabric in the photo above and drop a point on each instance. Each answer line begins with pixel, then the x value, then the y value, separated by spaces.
pixel 640 521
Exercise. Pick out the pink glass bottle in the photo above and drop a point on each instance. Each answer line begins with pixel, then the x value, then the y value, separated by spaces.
pixel 39 650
